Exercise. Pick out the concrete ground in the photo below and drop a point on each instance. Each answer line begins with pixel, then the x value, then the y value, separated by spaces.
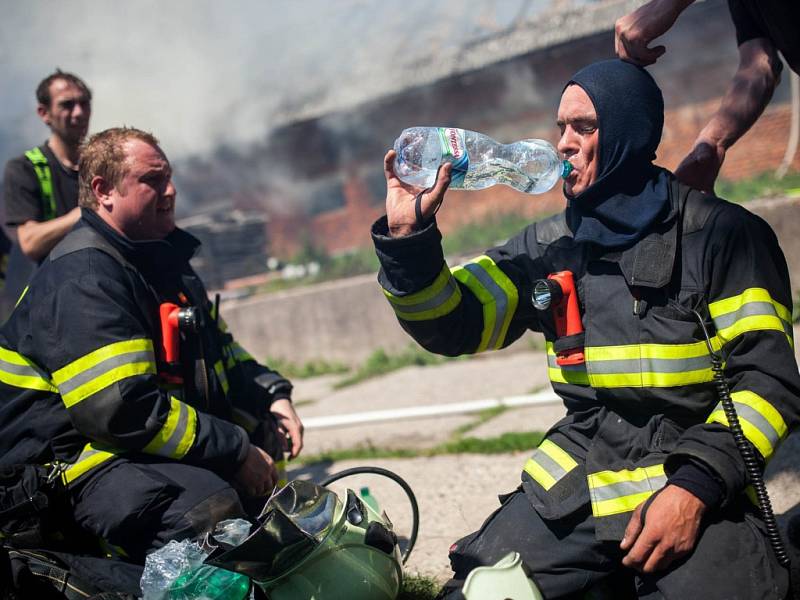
pixel 456 492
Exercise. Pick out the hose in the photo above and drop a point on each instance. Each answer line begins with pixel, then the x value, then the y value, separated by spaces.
pixel 745 449
pixel 412 538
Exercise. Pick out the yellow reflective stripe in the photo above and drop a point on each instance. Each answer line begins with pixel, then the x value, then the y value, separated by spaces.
pixel 615 506
pixel 424 294
pixel 239 353
pixel 651 379
pixel 437 300
pixel 572 374
pixel 615 492
pixel 18 371
pixel 632 365
pixel 103 367
pixel 761 423
pixel 602 478
pixel 752 310
pixel 560 456
pixel 96 357
pixel 512 297
pixel 91 457
pixel 176 436
pixel 497 295
pixel 109 378
pixel 539 475
pixel 549 464
pixel 219 369
pixel 649 351
pixel 763 408
pixel 734 303
pixel 21 296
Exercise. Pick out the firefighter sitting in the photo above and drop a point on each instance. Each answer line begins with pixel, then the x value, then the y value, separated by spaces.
pixel 643 472
pixel 151 448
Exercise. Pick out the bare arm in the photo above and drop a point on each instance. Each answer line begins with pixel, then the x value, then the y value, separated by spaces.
pixel 634 32
pixel 747 95
pixel 37 238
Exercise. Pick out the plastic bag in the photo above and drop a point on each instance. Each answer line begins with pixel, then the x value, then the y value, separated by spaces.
pixel 176 571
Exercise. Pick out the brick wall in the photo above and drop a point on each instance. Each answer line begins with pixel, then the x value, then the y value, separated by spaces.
pixel 517 99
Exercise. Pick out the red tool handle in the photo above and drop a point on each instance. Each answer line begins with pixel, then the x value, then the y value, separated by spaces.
pixel 170 335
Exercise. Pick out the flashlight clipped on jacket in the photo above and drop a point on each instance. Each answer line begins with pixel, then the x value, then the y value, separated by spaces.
pixel 558 293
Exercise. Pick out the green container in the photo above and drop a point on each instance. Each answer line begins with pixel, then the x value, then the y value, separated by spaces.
pixel 209 583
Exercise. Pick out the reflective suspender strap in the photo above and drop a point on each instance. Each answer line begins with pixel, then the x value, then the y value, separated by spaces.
pixel 45 177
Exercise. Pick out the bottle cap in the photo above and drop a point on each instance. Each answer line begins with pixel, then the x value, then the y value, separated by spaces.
pixel 566 169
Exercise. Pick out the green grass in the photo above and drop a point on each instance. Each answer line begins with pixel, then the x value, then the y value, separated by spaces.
pixel 312 368
pixel 472 237
pixel 765 185
pixel 381 362
pixel 418 587
pixel 503 444
pixel 483 416
pixel 484 234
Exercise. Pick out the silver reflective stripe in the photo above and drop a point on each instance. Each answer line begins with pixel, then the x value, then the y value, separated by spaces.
pixel 551 362
pixel 450 288
pixel 24 370
pixel 649 365
pixel 628 488
pixel 749 309
pixel 755 418
pixel 77 380
pixel 500 299
pixel 170 448
pixel 553 469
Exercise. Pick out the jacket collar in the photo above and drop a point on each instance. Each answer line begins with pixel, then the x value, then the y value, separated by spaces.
pixel 650 261
pixel 171 252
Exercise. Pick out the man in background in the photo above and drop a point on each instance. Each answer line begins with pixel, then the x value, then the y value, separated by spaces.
pixel 40 187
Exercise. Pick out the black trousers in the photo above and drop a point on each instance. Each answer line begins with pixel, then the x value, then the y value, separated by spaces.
pixel 732 559
pixel 136 507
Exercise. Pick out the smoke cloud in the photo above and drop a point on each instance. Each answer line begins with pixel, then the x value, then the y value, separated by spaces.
pixel 212 78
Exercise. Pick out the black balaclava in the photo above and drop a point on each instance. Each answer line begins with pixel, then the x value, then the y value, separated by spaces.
pixel 630 194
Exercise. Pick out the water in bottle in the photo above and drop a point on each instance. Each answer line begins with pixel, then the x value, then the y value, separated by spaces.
pixel 530 166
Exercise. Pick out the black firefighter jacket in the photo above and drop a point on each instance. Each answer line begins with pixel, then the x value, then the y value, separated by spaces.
pixel 643 402
pixel 81 370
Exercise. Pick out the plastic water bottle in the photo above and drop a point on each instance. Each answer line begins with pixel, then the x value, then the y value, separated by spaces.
pixel 530 166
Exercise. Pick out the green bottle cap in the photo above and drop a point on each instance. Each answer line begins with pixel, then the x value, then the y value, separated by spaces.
pixel 566 169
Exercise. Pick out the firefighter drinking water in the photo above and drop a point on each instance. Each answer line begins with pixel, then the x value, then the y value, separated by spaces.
pixel 643 475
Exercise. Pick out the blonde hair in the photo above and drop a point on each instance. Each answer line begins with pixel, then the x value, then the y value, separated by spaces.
pixel 104 155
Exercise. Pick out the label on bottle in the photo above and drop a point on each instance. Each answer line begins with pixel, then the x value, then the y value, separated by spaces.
pixel 454 150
